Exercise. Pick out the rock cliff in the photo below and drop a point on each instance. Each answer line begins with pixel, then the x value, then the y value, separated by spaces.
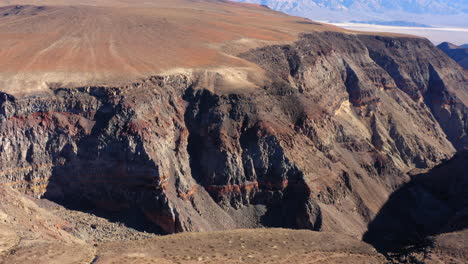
pixel 339 122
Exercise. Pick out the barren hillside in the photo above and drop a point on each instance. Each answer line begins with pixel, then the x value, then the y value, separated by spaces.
pixel 203 115
pixel 117 41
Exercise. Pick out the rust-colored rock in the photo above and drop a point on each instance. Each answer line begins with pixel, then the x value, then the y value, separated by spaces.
pixel 306 131
pixel 321 146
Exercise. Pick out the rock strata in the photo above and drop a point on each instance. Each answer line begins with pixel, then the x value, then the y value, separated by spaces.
pixel 320 145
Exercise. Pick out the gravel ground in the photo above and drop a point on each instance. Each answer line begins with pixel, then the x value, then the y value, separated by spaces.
pixel 92 228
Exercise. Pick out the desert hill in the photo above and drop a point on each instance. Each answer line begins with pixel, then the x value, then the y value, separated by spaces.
pixel 103 42
pixel 457 53
pixel 77 43
pixel 203 116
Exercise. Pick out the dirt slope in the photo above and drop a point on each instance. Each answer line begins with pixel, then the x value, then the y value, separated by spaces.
pixel 30 233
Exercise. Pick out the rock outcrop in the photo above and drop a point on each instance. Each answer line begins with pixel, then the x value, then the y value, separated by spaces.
pixel 457 53
pixel 334 130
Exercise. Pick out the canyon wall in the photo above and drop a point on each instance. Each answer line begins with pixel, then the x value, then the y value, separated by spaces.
pixel 335 128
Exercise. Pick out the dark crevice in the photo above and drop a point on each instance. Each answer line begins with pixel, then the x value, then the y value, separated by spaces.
pixel 353 88
pixel 294 61
pixel 430 204
pixel 196 118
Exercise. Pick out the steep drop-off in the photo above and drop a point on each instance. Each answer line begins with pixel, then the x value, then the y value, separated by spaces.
pixel 425 220
pixel 336 126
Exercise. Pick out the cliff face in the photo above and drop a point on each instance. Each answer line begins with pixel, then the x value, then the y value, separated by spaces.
pixel 340 121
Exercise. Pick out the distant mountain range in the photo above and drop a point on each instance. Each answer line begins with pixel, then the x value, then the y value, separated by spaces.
pixel 392 23
pixel 438 12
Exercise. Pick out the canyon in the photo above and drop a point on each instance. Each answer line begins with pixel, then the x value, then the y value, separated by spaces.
pixel 291 124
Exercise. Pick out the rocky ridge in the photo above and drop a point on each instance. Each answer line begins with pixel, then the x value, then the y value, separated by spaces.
pixel 457 53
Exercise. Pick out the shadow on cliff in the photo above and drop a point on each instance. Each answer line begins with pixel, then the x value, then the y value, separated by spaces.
pixel 431 203
pixel 101 175
pixel 281 188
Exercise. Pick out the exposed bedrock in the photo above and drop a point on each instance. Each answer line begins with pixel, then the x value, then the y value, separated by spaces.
pixel 321 145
